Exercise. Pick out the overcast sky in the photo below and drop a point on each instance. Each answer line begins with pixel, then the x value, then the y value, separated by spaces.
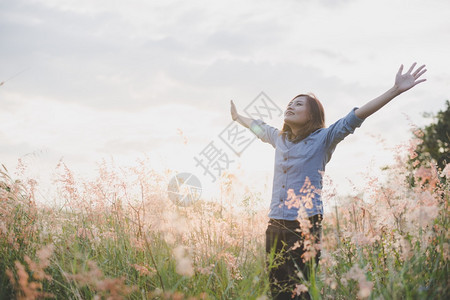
pixel 86 80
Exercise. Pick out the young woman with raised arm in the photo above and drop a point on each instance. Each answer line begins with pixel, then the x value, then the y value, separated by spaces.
pixel 302 149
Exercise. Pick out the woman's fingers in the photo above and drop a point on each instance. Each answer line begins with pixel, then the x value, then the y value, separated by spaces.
pixel 412 67
pixel 400 70
pixel 419 81
pixel 418 72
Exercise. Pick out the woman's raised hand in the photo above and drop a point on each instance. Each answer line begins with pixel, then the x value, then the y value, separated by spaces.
pixel 404 82
pixel 244 121
pixel 234 114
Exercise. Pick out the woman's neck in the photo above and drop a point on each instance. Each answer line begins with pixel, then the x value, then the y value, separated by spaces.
pixel 295 132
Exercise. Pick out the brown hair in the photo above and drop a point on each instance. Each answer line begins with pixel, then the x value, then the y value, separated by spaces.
pixel 317 119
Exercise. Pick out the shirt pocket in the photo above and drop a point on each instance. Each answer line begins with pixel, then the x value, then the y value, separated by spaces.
pixel 301 151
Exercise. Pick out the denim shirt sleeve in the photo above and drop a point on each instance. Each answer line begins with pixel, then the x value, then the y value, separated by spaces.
pixel 343 127
pixel 264 132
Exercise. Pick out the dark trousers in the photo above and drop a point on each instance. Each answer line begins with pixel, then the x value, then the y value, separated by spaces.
pixel 281 236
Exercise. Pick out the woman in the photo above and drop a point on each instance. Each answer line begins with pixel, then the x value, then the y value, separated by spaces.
pixel 303 148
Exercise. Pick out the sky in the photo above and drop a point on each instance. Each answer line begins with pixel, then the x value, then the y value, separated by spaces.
pixel 86 81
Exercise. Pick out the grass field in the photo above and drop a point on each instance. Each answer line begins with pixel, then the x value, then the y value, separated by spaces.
pixel 119 236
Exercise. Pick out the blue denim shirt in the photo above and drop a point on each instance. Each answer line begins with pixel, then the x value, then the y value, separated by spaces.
pixel 299 167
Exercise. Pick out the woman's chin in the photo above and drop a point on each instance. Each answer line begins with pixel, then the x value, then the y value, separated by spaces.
pixel 289 121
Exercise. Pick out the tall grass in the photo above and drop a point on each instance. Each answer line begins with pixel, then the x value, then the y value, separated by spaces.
pixel 119 236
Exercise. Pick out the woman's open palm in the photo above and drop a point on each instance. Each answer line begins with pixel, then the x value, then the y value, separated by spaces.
pixel 406 81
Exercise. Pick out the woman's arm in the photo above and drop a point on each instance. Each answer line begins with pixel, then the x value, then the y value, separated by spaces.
pixel 237 117
pixel 403 82
pixel 264 132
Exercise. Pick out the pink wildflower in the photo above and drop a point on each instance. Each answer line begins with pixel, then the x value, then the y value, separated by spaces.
pixel 299 289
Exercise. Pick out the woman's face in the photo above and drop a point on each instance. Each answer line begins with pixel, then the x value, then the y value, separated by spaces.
pixel 297 112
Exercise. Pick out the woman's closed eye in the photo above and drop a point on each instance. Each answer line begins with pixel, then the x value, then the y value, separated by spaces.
pixel 298 104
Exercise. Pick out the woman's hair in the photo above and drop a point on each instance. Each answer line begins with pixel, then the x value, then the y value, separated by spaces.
pixel 317 119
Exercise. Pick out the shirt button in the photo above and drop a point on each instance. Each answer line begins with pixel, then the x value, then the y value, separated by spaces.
pixel 281 200
pixel 283 186
pixel 284 171
pixel 285 158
